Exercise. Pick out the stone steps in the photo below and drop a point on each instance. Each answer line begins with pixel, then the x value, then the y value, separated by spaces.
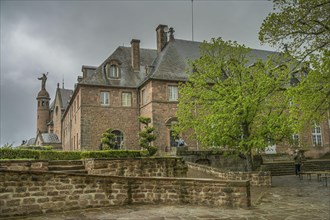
pixel 287 168
pixel 67 166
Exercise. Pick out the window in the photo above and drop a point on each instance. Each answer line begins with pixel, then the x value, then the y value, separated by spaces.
pixel 112 71
pixel 126 99
pixel 173 93
pixel 119 138
pixel 316 135
pixel 143 97
pixel 105 101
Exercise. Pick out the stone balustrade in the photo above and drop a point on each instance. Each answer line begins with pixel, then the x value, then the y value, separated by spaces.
pixel 31 192
pixel 257 178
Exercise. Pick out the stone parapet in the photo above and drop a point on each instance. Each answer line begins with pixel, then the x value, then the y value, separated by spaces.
pixel 28 192
pixel 260 178
pixel 147 167
pixel 24 165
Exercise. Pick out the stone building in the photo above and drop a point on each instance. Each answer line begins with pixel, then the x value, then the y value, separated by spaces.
pixel 132 82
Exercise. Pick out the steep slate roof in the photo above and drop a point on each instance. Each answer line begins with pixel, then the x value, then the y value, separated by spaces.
pixel 65 97
pixel 173 61
pixel 49 138
pixel 170 64
pixel 128 78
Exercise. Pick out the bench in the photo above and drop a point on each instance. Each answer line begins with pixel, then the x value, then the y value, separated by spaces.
pixel 307 173
pixel 323 176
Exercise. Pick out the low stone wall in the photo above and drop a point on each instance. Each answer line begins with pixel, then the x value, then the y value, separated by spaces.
pixel 262 178
pixel 147 167
pixel 24 165
pixel 28 192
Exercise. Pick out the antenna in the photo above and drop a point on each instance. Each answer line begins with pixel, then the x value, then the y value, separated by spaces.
pixel 62 82
pixel 192 20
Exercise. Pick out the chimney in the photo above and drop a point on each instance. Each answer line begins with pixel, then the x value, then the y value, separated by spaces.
pixel 135 54
pixel 161 37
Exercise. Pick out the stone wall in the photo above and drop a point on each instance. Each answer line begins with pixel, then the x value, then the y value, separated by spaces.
pixel 219 160
pixel 262 178
pixel 148 167
pixel 27 192
pixel 24 165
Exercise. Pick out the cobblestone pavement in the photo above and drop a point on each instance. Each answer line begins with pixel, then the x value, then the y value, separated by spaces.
pixel 288 199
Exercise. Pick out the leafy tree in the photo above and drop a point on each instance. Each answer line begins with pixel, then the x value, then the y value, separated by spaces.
pixel 230 102
pixel 108 139
pixel 303 26
pixel 311 97
pixel 147 136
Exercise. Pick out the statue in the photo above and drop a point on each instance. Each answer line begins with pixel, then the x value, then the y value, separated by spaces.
pixel 43 80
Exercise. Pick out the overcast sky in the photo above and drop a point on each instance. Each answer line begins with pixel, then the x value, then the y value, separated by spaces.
pixel 60 36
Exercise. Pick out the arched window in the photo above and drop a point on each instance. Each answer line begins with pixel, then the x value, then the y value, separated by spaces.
pixel 112 69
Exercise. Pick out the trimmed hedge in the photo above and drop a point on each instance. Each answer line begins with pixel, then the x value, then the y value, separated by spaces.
pixel 19 153
pixel 16 153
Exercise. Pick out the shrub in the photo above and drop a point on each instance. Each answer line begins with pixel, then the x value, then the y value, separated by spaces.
pixel 147 136
pixel 17 153
pixel 108 139
pixel 111 154
pixel 34 147
pixel 59 155
pixel 22 153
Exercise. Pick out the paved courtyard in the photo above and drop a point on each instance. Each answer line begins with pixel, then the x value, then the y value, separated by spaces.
pixel 289 198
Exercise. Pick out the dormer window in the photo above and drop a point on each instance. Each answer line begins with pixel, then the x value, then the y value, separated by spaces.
pixel 112 69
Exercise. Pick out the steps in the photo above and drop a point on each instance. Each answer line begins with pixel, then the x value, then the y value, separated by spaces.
pixel 66 166
pixel 287 167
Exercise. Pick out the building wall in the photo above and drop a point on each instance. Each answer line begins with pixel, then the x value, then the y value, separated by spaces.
pixel 57 116
pixel 95 119
pixel 161 111
pixel 71 124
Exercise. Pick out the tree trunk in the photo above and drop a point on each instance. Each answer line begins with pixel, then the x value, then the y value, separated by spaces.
pixel 249 161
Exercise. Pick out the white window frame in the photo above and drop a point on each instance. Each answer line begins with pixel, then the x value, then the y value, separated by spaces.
pixel 126 99
pixel 173 93
pixel 105 98
pixel 316 135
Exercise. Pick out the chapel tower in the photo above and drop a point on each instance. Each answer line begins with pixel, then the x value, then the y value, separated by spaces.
pixel 43 106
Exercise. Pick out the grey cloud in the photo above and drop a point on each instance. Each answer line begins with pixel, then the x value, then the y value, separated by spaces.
pixel 60 36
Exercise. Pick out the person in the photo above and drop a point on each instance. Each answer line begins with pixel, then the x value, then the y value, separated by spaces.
pixel 298 158
pixel 181 143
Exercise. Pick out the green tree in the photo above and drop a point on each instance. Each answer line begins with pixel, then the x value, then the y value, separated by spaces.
pixel 303 26
pixel 147 136
pixel 230 102
pixel 108 139
pixel 311 97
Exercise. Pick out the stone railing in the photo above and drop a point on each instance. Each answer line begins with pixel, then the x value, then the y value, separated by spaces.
pixel 147 167
pixel 24 165
pixel 261 178
pixel 29 192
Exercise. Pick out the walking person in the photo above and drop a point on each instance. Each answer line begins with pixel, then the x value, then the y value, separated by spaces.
pixel 298 158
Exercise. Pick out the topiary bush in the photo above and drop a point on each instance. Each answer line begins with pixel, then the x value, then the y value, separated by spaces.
pixel 147 136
